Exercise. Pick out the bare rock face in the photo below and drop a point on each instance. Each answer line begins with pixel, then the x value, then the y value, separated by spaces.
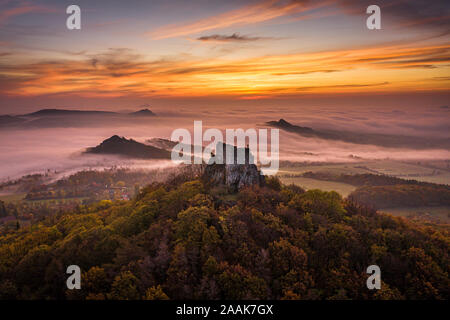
pixel 234 176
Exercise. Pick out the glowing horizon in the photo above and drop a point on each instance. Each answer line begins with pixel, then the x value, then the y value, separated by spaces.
pixel 239 51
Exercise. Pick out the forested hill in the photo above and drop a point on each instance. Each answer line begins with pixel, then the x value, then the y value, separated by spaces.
pixel 382 191
pixel 402 196
pixel 182 240
pixel 121 146
pixel 369 179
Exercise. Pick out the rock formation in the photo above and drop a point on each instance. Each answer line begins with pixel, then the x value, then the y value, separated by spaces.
pixel 234 176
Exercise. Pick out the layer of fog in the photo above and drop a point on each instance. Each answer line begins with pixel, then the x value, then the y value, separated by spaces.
pixel 24 151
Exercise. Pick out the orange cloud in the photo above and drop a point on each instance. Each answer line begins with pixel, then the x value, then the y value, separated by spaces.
pixel 6 14
pixel 122 72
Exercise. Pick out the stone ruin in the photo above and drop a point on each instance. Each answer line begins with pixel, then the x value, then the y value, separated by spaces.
pixel 234 176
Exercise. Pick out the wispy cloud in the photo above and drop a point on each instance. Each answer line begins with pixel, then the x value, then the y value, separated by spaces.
pixel 404 13
pixel 235 37
pixel 254 13
pixel 20 8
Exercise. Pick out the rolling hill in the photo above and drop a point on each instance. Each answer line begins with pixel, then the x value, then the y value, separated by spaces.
pixel 130 148
pixel 383 140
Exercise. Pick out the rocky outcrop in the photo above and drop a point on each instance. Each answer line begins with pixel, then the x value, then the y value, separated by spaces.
pixel 234 176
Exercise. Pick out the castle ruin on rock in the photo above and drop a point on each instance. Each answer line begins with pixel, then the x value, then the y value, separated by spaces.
pixel 232 174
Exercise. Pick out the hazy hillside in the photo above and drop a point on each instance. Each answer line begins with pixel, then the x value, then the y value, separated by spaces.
pixel 116 145
pixel 382 191
pixel 402 195
pixel 62 112
pixel 143 113
pixel 55 118
pixel 367 179
pixel 378 139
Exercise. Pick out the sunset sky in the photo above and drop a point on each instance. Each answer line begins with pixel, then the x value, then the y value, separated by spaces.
pixel 133 52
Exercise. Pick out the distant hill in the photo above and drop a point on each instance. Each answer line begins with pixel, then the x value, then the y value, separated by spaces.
pixel 382 191
pixel 283 124
pixel 378 139
pixel 129 148
pixel 10 120
pixel 402 195
pixel 56 118
pixel 143 112
pixel 62 112
pixel 162 143
pixel 368 179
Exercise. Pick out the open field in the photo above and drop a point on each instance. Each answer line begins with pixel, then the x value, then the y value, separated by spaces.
pixel 419 171
pixel 308 184
pixel 59 200
pixel 442 213
pixel 12 197
pixel 21 196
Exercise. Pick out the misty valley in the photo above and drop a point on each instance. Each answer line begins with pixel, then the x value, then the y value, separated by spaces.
pixel 413 184
pixel 100 188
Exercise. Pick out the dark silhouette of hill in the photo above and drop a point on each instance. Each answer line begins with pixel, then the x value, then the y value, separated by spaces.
pixel 129 148
pixel 384 140
pixel 51 118
pixel 63 112
pixel 144 112
pixel 283 124
pixel 7 120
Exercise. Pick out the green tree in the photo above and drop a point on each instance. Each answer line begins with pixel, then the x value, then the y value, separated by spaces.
pixel 124 287
pixel 155 293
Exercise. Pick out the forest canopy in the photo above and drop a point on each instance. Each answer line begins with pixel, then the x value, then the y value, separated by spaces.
pixel 184 240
